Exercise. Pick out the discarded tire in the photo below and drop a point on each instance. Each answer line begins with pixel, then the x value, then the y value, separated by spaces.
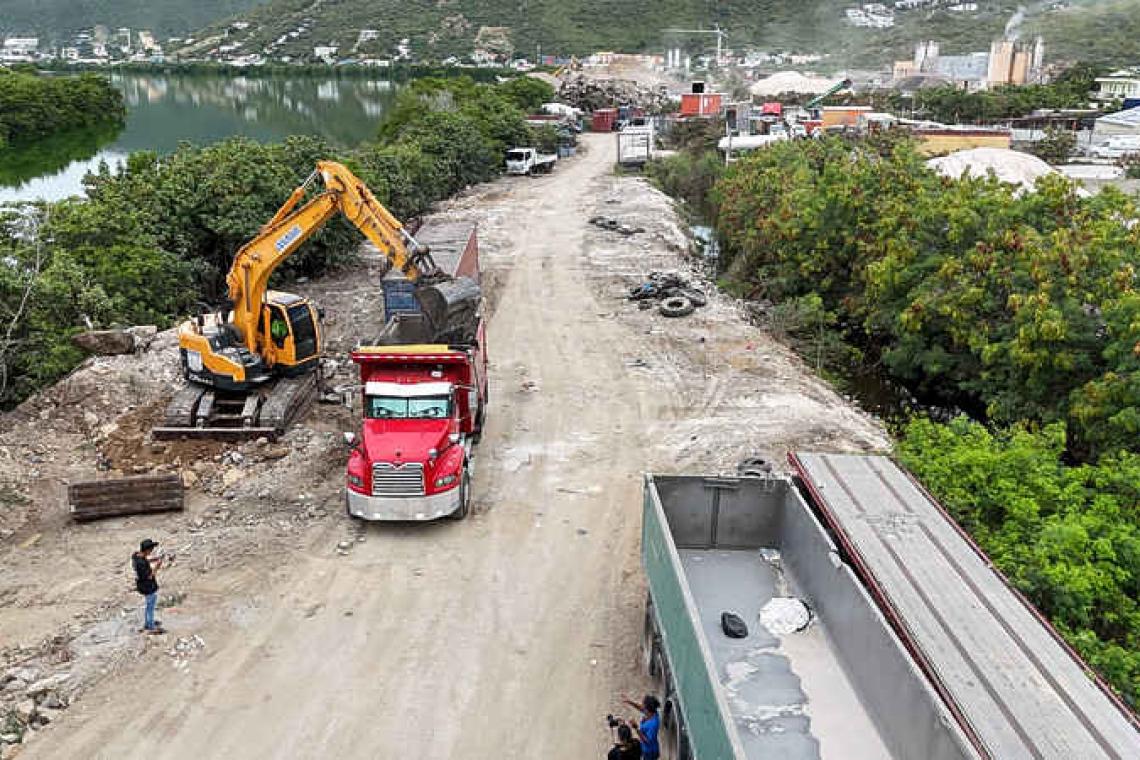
pixel 754 463
pixel 698 298
pixel 676 306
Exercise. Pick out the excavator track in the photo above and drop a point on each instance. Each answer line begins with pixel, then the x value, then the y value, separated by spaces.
pixel 287 400
pixel 199 412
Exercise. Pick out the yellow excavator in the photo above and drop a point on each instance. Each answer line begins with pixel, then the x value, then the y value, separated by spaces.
pixel 253 370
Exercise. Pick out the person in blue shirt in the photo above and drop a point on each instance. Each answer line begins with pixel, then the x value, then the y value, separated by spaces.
pixel 648 727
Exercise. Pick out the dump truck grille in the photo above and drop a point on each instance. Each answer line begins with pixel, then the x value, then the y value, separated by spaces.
pixel 397 480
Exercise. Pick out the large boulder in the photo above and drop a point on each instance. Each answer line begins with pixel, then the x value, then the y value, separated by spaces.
pixel 105 342
pixel 120 341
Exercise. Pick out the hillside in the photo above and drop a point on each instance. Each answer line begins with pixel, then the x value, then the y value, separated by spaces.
pixel 439 28
pixel 563 27
pixel 58 19
pixel 1106 33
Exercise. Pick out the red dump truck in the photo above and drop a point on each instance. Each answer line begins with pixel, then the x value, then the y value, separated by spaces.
pixel 423 407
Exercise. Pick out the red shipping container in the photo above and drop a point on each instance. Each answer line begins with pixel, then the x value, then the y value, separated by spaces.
pixel 604 119
pixel 700 105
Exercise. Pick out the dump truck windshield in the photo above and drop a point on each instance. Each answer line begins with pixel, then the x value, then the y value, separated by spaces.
pixel 516 155
pixel 397 408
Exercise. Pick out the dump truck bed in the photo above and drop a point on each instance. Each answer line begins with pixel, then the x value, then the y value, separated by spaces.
pixel 843 687
pixel 1012 683
pixel 788 695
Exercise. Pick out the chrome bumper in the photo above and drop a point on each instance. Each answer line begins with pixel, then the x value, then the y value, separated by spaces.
pixel 412 508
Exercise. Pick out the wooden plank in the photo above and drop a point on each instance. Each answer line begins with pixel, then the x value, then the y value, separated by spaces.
pixel 140 494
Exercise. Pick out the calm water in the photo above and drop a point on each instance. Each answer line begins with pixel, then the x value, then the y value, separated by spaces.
pixel 164 110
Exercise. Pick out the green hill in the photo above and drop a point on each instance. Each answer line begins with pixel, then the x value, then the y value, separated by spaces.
pixel 439 28
pixel 1107 33
pixel 58 19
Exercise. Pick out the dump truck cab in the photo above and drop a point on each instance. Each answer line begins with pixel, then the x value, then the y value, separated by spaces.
pixel 422 410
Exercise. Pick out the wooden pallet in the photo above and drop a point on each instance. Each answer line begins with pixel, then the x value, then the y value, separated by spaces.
pixel 112 497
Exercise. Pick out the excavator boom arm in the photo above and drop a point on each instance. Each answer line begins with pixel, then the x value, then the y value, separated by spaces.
pixel 369 216
pixel 248 278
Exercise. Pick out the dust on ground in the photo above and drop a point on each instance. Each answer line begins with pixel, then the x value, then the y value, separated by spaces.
pixel 588 391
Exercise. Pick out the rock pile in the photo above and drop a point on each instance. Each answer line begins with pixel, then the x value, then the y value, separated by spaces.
pixel 30 703
pixel 590 94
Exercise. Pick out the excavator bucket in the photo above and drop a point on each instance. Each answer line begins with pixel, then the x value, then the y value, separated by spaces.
pixel 451 309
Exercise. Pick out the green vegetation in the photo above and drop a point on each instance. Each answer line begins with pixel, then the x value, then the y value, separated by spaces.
pixel 951 105
pixel 1056 146
pixel 1021 310
pixel 563 27
pixel 400 72
pixel 158 235
pixel 1066 537
pixel 58 19
pixel 34 106
pixel 1105 33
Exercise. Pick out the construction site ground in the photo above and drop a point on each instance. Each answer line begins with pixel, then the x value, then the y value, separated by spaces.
pixel 293 630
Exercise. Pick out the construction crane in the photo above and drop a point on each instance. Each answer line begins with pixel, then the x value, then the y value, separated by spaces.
pixel 251 369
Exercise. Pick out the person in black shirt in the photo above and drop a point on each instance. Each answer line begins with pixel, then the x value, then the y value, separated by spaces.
pixel 145 569
pixel 626 748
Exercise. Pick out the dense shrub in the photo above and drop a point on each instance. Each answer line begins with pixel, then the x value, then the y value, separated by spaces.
pixel 1021 307
pixel 1068 537
pixel 34 106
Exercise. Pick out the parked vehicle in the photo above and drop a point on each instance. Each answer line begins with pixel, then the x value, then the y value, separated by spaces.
pixel 423 400
pixel 530 161
pixel 844 614
pixel 424 407
pixel 746 545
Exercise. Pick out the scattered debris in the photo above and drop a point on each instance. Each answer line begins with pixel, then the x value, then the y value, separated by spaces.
pixel 609 223
pixel 678 298
pixel 785 614
pixel 590 94
pixel 676 306
pixel 733 626
pixel 754 467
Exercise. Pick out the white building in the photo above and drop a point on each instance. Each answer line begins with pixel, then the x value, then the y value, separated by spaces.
pixel 871 15
pixel 21 45
pixel 147 42
pixel 1119 85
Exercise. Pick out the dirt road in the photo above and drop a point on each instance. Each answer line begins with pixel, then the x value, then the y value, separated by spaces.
pixel 509 635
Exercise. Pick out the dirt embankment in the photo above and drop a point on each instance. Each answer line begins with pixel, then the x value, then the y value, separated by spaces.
pixel 510 634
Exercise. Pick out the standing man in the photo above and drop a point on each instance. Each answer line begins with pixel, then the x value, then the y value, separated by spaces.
pixel 145 569
pixel 648 727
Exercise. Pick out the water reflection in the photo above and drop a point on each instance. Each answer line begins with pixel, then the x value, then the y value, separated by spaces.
pixel 53 155
pixel 165 109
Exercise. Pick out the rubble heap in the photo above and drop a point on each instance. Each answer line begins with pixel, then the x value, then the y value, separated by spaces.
pixel 590 94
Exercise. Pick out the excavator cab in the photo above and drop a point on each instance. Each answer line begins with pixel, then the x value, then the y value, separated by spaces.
pixel 290 333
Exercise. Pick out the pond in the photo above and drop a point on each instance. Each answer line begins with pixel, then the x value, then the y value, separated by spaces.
pixel 165 109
